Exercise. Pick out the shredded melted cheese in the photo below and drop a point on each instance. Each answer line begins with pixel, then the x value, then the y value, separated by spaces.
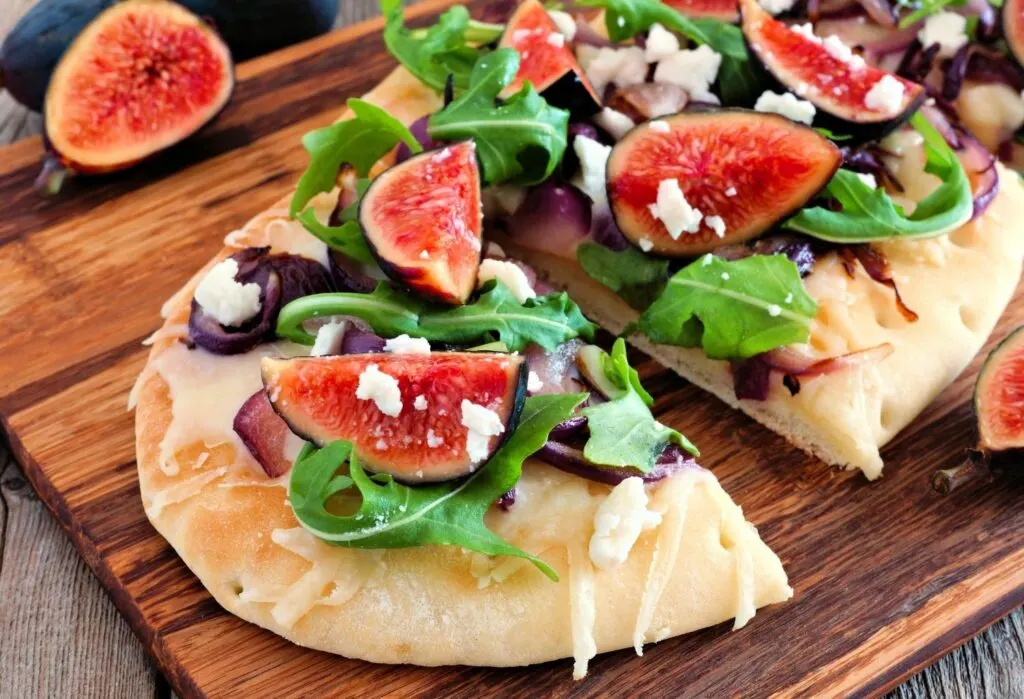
pixel 582 609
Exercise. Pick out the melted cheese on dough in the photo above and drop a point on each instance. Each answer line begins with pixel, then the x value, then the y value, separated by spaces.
pixel 582 609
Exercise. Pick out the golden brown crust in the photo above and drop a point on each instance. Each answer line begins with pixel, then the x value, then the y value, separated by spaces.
pixel 234 529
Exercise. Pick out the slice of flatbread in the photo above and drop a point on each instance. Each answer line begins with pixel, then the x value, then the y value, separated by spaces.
pixel 704 564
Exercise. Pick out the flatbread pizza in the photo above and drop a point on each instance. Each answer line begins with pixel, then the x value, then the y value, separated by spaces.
pixel 433 496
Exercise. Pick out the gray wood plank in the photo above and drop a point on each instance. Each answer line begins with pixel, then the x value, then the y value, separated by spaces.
pixel 61 636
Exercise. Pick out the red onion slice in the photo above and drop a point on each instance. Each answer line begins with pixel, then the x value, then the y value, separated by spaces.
pixel 264 433
pixel 554 217
pixel 752 377
pixel 571 460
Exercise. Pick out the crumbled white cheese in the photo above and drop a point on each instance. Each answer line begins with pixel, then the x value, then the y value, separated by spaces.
pixel 645 244
pixel 786 104
pixel 328 339
pixel 593 157
pixel 661 43
pixel 433 441
pixel 420 403
pixel 674 211
pixel 947 29
pixel 789 298
pixel 867 179
pixel 725 276
pixel 707 260
pixel 481 424
pixel 841 52
pixel 382 389
pixel 556 39
pixel 618 523
pixel 774 310
pixel 694 70
pixel 533 382
pixel 224 299
pixel 659 126
pixel 614 122
pixel 885 96
pixel 424 255
pixel 509 274
pixel 403 344
pixel 622 66
pixel 565 23
pixel 777 7
pixel 806 29
pixel 717 224
pixel 731 192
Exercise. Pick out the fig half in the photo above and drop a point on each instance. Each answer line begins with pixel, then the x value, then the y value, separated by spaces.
pixel 423 221
pixel 852 98
pixel 547 61
pixel 1013 28
pixel 144 75
pixel 749 169
pixel 722 10
pixel 405 414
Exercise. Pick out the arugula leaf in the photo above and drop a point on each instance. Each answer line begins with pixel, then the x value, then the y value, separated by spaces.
pixel 831 135
pixel 346 238
pixel 548 321
pixel 434 53
pixel 360 141
pixel 394 515
pixel 637 278
pixel 622 431
pixel 733 309
pixel 520 140
pixel 926 8
pixel 870 214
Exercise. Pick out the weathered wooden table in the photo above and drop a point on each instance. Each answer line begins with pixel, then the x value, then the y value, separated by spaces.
pixel 61 636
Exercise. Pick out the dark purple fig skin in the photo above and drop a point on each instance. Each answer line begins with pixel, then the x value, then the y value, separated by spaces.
pixel 359 341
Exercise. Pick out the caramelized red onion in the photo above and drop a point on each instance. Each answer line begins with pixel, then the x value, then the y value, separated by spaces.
pixel 263 433
pixel 349 274
pixel 357 340
pixel 645 101
pixel 281 278
pixel 798 249
pixel 877 266
pixel 978 162
pixel 752 377
pixel 554 217
pixel 571 460
pixel 418 129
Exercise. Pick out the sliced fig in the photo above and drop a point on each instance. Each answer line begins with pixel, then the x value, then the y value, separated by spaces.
pixel 750 169
pixel 645 101
pixel 423 221
pixel 1013 28
pixel 547 61
pixel 722 10
pixel 141 77
pixel 415 432
pixel 852 97
pixel 999 397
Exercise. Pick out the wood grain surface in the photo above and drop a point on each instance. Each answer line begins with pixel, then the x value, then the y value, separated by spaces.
pixel 888 576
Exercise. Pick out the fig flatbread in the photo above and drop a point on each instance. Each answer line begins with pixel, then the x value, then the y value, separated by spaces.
pixel 432 605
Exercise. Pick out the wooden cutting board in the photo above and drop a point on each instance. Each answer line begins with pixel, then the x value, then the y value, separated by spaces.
pixel 888 576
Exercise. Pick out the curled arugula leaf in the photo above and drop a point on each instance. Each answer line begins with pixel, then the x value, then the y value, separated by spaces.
pixel 394 515
pixel 733 309
pixel 870 215
pixel 521 139
pixel 622 431
pixel 548 321
pixel 637 278
pixel 434 53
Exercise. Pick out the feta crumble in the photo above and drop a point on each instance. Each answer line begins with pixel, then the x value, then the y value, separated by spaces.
pixel 867 179
pixel 706 260
pixel 885 96
pixel 593 157
pixel 565 23
pixel 614 122
pixel 694 70
pixel 731 192
pixel 509 274
pixel 533 382
pixel 420 403
pixel 328 339
pixel 622 66
pixel 717 224
pixel 403 344
pixel 226 300
pixel 776 7
pixel 674 211
pixel 787 105
pixel 661 43
pixel 481 425
pixel 658 126
pixel 618 523
pixel 433 441
pixel 841 52
pixel 789 298
pixel 424 255
pixel 774 310
pixel 725 276
pixel 645 244
pixel 382 389
pixel 947 29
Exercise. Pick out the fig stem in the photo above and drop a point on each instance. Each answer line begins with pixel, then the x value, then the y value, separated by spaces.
pixel 945 481
pixel 52 176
